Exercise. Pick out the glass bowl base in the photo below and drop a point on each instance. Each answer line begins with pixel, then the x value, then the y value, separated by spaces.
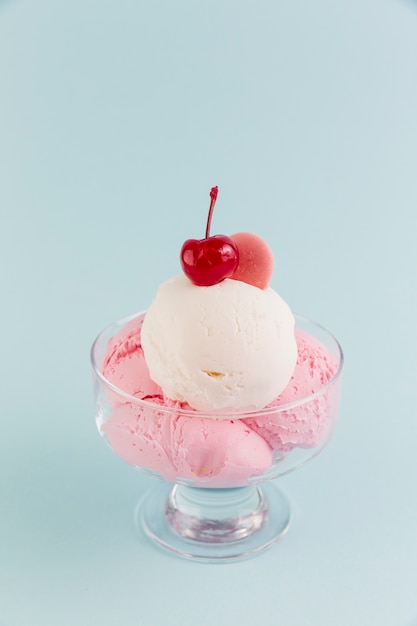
pixel 213 525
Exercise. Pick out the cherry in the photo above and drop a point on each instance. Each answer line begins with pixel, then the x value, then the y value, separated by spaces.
pixel 209 261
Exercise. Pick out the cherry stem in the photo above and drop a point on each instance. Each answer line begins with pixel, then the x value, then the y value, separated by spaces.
pixel 213 195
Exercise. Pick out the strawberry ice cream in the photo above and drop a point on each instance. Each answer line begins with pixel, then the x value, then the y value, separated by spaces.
pixel 201 450
pixel 304 425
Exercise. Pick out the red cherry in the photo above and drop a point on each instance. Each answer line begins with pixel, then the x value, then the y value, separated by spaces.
pixel 209 261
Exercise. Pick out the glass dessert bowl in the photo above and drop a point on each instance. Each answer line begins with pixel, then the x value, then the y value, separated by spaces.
pixel 216 501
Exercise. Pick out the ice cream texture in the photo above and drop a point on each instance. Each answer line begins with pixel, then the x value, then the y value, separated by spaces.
pixel 158 436
pixel 225 347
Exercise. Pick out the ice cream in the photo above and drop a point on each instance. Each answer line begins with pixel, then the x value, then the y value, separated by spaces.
pixel 158 436
pixel 214 385
pixel 224 347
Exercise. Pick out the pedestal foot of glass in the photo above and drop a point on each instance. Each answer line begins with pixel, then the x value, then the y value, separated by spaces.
pixel 214 525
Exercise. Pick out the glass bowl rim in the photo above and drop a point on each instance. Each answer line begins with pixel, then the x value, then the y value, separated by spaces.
pixel 178 410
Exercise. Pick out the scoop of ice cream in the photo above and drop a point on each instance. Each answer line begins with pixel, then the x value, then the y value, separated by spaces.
pixel 209 452
pixel 304 425
pixel 124 365
pixel 226 347
pixel 218 452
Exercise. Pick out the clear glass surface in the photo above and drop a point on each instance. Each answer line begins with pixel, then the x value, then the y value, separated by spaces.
pixel 211 505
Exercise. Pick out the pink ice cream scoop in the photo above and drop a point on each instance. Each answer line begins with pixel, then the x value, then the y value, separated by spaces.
pixel 218 452
pixel 207 451
pixel 304 425
pixel 124 364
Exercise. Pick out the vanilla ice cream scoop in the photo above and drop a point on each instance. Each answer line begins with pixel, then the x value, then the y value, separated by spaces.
pixel 224 347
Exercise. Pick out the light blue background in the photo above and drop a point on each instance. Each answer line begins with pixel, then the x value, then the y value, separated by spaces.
pixel 116 119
